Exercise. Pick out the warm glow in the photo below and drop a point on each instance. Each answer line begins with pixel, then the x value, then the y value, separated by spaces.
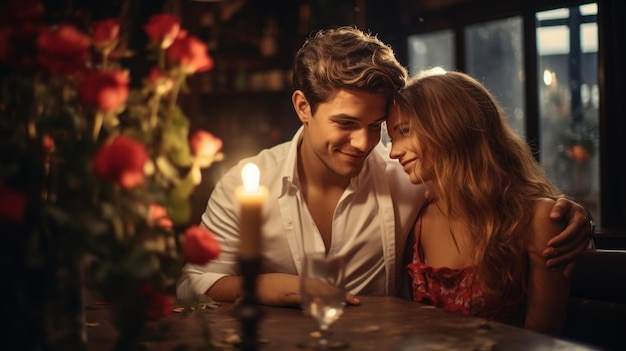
pixel 547 77
pixel 250 176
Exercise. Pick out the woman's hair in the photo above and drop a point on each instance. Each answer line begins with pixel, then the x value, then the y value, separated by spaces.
pixel 345 58
pixel 484 172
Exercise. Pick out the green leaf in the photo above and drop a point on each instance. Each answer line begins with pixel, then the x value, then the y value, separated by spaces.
pixel 176 135
pixel 185 187
pixel 168 170
pixel 179 210
pixel 140 264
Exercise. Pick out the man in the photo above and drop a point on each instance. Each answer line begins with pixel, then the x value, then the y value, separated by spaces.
pixel 333 188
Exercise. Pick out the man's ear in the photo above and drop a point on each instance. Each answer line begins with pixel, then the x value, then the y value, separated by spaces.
pixel 302 107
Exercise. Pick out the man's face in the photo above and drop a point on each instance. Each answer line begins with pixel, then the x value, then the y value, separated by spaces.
pixel 343 131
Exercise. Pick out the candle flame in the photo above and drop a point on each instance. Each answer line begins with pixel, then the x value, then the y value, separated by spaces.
pixel 250 176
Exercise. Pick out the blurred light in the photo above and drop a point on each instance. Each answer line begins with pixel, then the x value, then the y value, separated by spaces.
pixel 589 37
pixel 547 77
pixel 589 9
pixel 553 40
pixel 552 14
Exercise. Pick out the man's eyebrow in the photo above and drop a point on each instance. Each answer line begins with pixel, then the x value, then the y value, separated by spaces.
pixel 381 119
pixel 353 118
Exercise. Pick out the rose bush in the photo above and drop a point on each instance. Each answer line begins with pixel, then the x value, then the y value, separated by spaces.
pixel 97 168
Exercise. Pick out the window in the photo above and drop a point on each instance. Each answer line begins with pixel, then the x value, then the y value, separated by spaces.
pixel 434 49
pixel 566 104
pixel 494 56
pixel 567 65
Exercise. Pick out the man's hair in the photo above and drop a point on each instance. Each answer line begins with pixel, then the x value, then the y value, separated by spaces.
pixel 346 58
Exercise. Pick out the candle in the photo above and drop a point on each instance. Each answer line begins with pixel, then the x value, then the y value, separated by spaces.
pixel 251 197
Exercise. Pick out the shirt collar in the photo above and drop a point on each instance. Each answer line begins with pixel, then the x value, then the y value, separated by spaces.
pixel 289 171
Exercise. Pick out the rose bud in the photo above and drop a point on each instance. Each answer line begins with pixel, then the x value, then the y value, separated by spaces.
pixel 205 146
pixel 190 54
pixel 105 33
pixel 122 161
pixel 200 245
pixel 158 216
pixel 161 81
pixel 64 49
pixel 159 304
pixel 163 29
pixel 106 91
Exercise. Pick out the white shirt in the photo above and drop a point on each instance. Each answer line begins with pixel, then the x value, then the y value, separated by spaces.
pixel 371 222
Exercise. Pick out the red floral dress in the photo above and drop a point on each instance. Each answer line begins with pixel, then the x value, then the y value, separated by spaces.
pixel 459 290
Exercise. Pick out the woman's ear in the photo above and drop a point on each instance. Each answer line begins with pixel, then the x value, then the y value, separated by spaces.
pixel 301 105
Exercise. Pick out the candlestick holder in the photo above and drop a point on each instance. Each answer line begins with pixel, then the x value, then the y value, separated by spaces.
pixel 249 311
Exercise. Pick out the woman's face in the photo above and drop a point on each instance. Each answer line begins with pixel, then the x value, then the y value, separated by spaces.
pixel 405 148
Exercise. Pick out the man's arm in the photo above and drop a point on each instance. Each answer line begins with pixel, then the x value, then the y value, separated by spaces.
pixel 564 249
pixel 273 289
pixel 222 218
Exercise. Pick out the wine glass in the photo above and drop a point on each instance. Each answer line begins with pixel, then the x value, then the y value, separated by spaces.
pixel 322 288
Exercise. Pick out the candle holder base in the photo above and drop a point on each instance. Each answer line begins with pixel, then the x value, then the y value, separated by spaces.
pixel 249 311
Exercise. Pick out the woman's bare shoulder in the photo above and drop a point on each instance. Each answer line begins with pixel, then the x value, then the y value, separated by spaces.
pixel 542 227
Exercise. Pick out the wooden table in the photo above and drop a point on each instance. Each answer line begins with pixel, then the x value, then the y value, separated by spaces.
pixel 380 324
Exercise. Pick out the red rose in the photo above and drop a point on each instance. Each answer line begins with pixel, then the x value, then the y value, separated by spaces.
pixel 161 80
pixel 105 32
pixel 159 304
pixel 204 144
pixel 22 11
pixel 64 50
pixel 122 161
pixel 12 205
pixel 200 245
pixel 48 143
pixel 158 216
pixel 106 91
pixel 163 29
pixel 191 54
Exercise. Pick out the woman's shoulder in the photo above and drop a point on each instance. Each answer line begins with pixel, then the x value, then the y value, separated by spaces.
pixel 542 227
pixel 542 208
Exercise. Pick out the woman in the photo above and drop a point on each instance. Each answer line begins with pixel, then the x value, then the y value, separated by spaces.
pixel 479 241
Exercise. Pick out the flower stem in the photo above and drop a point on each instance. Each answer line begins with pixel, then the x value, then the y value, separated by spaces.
pixel 105 59
pixel 154 110
pixel 97 125
pixel 161 58
pixel 118 226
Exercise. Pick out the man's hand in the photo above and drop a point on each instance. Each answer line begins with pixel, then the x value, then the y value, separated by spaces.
pixel 352 300
pixel 564 248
